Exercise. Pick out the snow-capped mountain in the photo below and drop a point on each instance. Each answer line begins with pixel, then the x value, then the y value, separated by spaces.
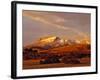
pixel 54 41
pixel 49 42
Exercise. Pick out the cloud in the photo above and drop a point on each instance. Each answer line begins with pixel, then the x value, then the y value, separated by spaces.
pixel 52 20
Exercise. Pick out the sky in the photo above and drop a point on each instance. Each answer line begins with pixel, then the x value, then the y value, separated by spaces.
pixel 37 24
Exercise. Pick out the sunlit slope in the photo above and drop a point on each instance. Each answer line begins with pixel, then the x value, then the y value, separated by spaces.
pixel 78 48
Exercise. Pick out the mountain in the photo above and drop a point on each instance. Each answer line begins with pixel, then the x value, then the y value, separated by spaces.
pixel 54 41
pixel 85 41
pixel 50 42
